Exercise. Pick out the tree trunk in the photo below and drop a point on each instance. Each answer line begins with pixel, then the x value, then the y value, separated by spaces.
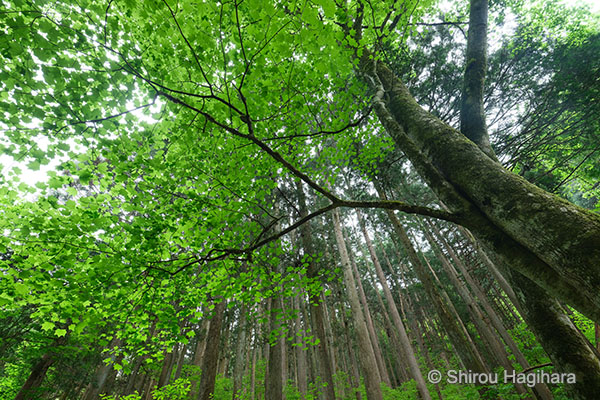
pixel 211 353
pixel 551 241
pixel 180 361
pixel 166 368
pixel 201 339
pixel 317 308
pixel 472 121
pixel 274 381
pixel 370 326
pixel 459 339
pixel 481 321
pixel 301 371
pixel 568 349
pixel 407 349
pixel 541 390
pixel 240 347
pixel 354 373
pixel 368 362
pixel 36 377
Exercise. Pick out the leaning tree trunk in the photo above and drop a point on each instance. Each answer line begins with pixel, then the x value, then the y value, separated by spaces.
pixel 367 356
pixel 36 377
pixel 540 389
pixel 566 346
pixel 407 349
pixel 459 339
pixel 383 373
pixel 551 241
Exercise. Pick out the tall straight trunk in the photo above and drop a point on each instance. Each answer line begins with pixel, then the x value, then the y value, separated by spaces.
pixel 200 342
pixel 350 353
pixel 240 347
pixel 224 358
pixel 101 377
pixel 148 386
pixel 132 379
pixel 329 331
pixel 166 368
pixel 370 326
pixel 421 318
pixel 482 255
pixel 480 320
pixel 317 306
pixel 459 339
pixel 180 362
pixel 472 121
pixel 274 381
pixel 301 371
pixel 406 306
pixel 459 322
pixel 407 349
pixel 201 339
pixel 37 375
pixel 255 352
pixel 540 389
pixel 211 353
pixel 368 362
pixel 392 333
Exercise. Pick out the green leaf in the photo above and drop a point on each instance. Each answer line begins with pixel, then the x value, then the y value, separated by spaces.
pixel 48 325
pixel 60 332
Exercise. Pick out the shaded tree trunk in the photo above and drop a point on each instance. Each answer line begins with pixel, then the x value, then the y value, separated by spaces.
pixel 29 390
pixel 301 371
pixel 551 241
pixel 317 307
pixel 568 349
pixel 540 389
pixel 374 337
pixel 211 353
pixel 459 339
pixel 238 369
pixel 368 362
pixel 406 346
pixel 274 381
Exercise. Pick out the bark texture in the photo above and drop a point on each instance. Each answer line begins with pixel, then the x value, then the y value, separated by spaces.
pixel 551 241
pixel 317 308
pixel 367 355
pixel 211 353
pixel 472 113
pixel 36 377
pixel 566 346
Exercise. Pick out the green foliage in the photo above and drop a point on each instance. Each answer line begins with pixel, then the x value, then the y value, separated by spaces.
pixel 177 390
pixel 585 325
pixel 176 126
pixel 223 388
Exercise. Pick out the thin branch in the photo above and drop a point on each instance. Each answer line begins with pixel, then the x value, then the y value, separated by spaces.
pixel 115 115
pixel 274 154
pixel 404 207
pixel 385 204
pixel 188 44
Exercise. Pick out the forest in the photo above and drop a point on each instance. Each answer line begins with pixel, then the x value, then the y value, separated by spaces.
pixel 300 200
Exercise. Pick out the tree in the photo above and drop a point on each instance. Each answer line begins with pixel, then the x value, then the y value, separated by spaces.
pixel 179 121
